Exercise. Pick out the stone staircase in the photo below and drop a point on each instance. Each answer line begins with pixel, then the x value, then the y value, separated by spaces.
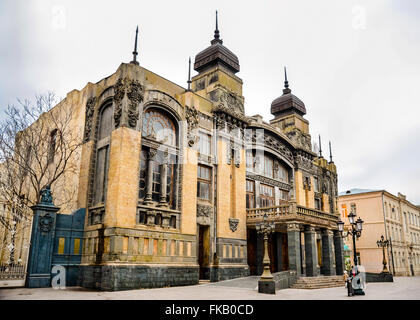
pixel 318 282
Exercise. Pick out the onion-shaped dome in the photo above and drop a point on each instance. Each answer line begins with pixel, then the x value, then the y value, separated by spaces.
pixel 287 103
pixel 217 53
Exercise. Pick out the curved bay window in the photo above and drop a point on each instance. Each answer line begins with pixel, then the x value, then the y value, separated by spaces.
pixel 158 161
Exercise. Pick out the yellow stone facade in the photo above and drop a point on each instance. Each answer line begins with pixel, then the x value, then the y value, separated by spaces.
pixel 174 180
pixel 394 217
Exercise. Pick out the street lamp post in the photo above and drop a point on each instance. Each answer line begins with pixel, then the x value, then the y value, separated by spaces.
pixel 266 283
pixel 410 257
pixel 356 232
pixel 383 244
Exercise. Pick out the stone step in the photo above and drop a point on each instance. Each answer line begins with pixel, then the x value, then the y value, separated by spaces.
pixel 202 281
pixel 318 282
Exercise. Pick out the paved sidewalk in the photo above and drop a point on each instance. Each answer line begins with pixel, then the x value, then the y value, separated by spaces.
pixel 403 288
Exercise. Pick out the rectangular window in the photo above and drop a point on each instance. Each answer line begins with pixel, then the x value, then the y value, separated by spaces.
pixel 203 182
pixel 61 243
pixel 204 144
pixel 156 181
pixel 76 247
pixel 284 195
pixel 316 184
pixel 344 210
pixel 268 167
pixel 249 160
pixel 317 204
pixel 266 196
pixel 250 194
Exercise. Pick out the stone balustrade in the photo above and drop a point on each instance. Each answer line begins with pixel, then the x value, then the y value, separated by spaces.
pixel 287 211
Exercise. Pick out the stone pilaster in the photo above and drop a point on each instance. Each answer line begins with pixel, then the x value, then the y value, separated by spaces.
pixel 311 259
pixel 293 243
pixel 339 253
pixel 327 267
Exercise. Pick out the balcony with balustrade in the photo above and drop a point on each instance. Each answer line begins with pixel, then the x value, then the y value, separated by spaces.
pixel 288 211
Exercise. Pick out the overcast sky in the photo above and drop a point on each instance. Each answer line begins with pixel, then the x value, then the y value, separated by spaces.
pixel 355 64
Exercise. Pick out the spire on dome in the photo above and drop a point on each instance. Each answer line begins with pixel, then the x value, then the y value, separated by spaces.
pixel 320 148
pixel 189 74
pixel 216 33
pixel 331 160
pixel 135 53
pixel 286 83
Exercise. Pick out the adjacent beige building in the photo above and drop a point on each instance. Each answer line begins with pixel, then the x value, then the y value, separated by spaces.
pixel 394 217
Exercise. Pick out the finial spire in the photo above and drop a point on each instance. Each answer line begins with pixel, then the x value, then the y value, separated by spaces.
pixel 189 74
pixel 331 160
pixel 286 83
pixel 216 33
pixel 320 148
pixel 135 49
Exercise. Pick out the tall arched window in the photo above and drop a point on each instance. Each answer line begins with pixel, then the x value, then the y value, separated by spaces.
pixel 158 162
pixel 102 153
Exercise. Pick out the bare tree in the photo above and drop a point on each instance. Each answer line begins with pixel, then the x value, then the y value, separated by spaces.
pixel 38 146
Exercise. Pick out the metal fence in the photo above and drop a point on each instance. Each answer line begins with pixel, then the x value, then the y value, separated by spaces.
pixel 12 271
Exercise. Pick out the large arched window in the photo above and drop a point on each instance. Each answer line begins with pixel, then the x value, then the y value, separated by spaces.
pixel 158 161
pixel 105 127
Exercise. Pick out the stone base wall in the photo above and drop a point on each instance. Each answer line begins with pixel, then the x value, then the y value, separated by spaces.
pixel 284 279
pixel 127 277
pixel 379 277
pixel 226 273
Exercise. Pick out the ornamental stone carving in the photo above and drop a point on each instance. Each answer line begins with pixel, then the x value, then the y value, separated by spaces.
pixel 233 224
pixel 204 211
pixel 231 101
pixel 293 226
pixel 90 108
pixel 300 139
pixel 303 162
pixel 46 222
pixel 46 196
pixel 267 140
pixel 191 115
pixel 119 92
pixel 266 180
pixel 135 94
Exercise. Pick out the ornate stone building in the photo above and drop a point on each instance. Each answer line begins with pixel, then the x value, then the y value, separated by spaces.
pixel 174 180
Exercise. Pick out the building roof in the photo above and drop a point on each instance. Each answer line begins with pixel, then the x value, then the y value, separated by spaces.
pixel 356 191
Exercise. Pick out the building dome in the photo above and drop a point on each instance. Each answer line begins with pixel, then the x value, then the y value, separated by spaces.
pixel 287 103
pixel 217 53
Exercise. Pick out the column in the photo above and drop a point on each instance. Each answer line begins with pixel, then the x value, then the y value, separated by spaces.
pixel 327 267
pixel 260 253
pixel 278 238
pixel 311 259
pixel 293 244
pixel 149 178
pixel 163 185
pixel 339 253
